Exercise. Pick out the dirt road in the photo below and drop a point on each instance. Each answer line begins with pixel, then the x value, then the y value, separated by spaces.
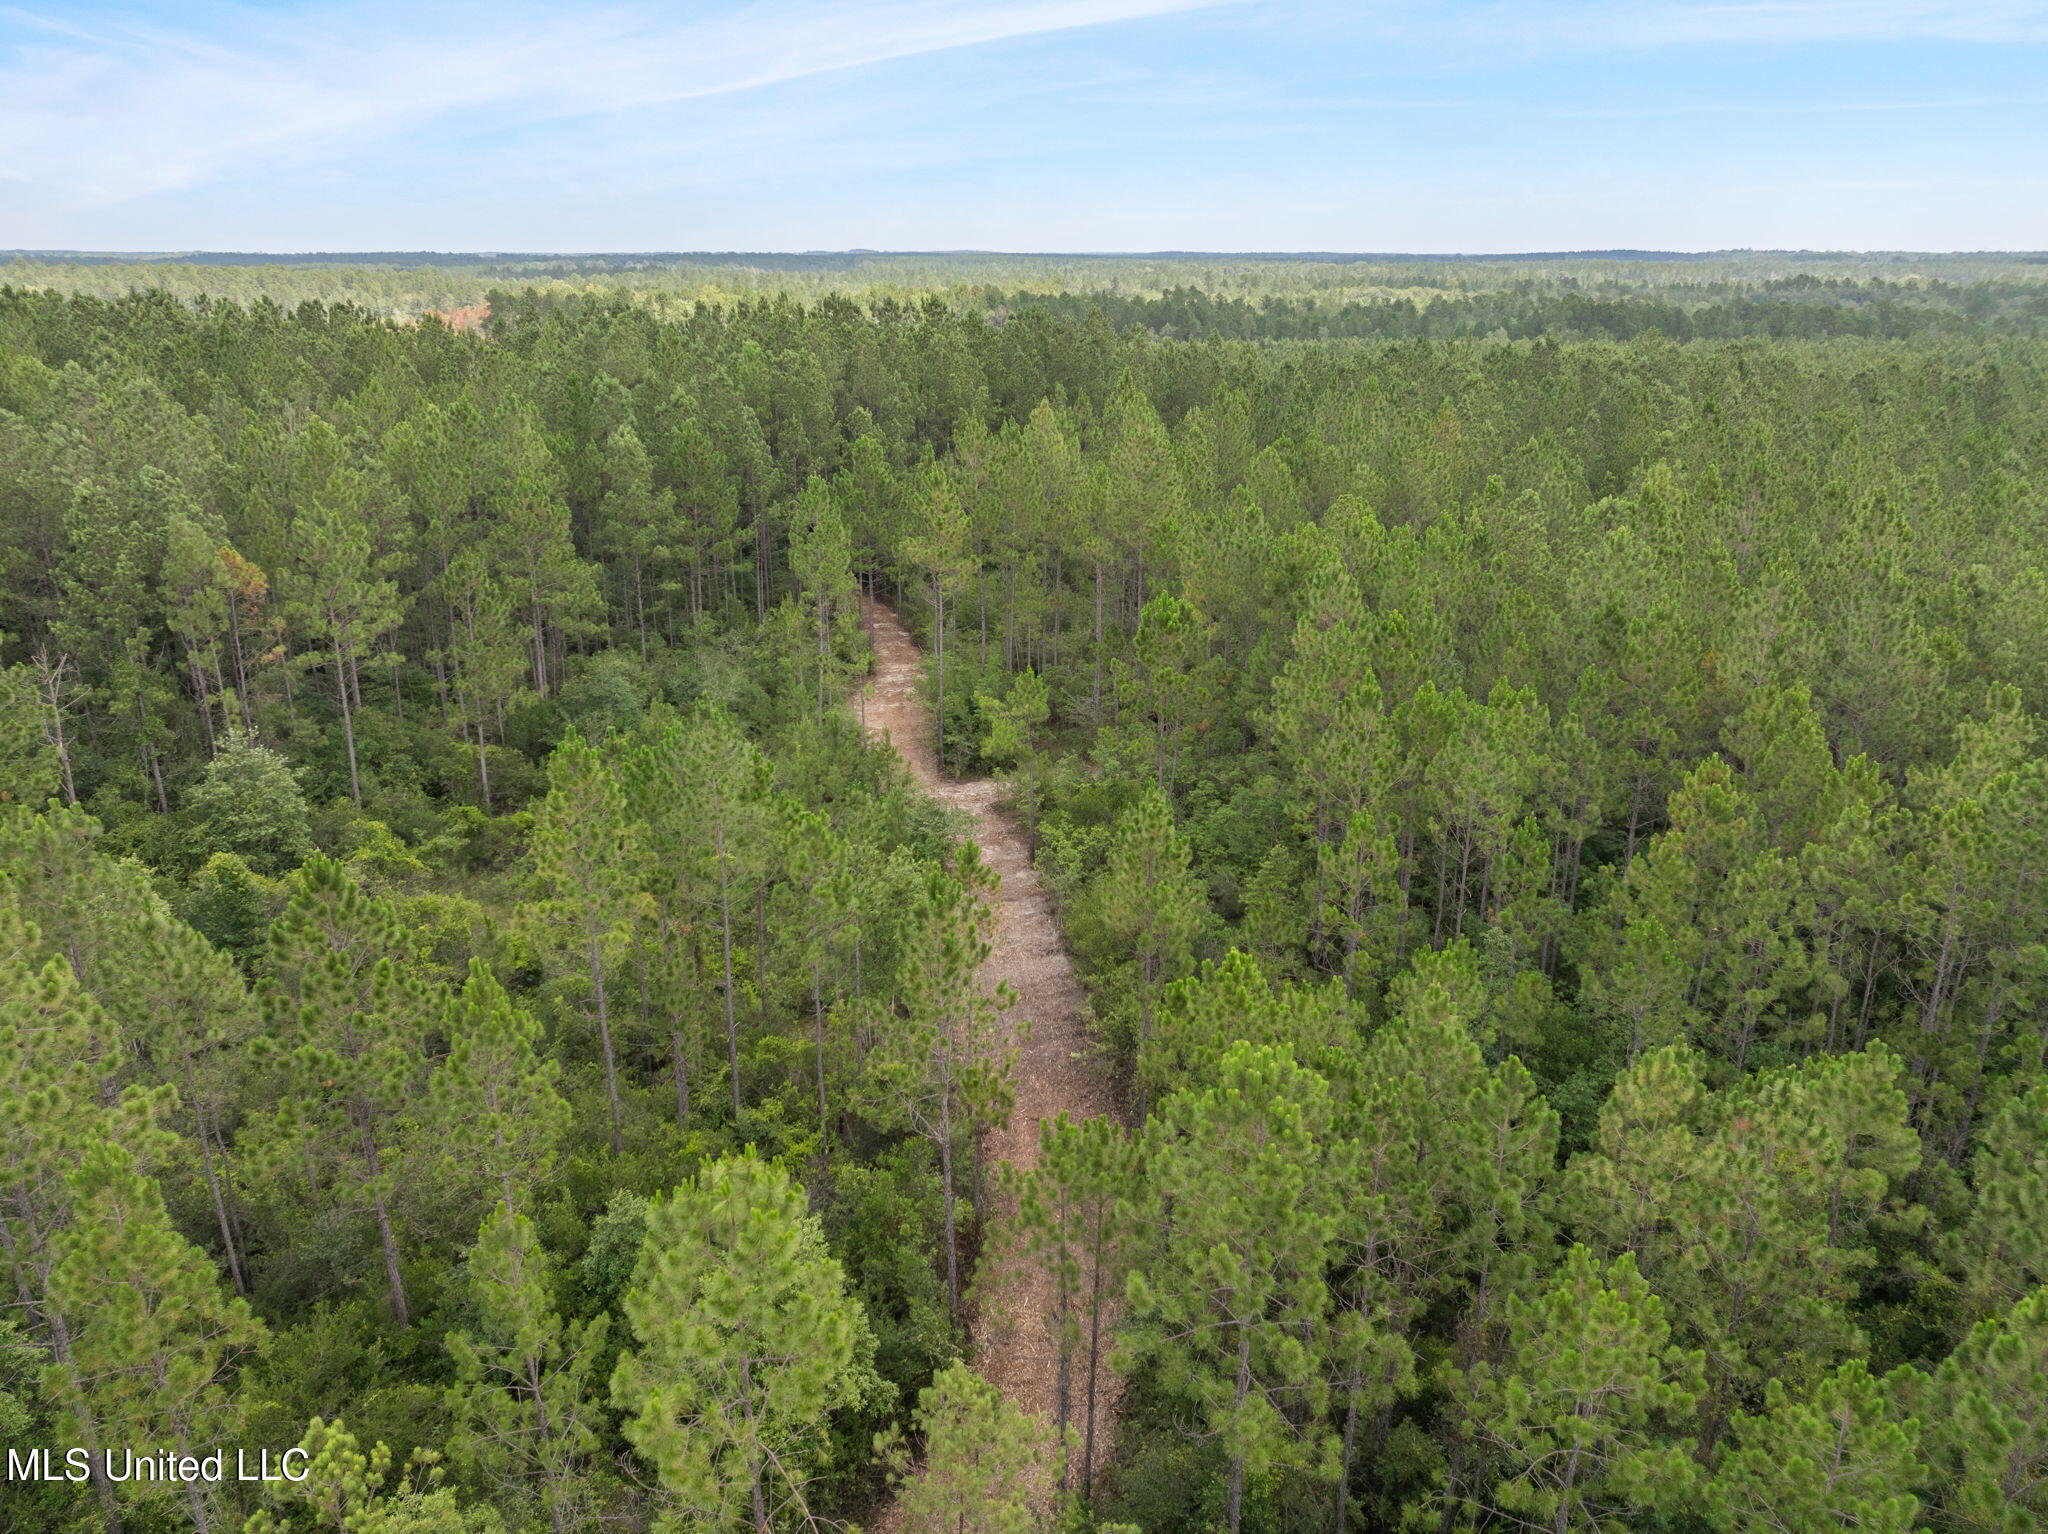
pixel 1058 1067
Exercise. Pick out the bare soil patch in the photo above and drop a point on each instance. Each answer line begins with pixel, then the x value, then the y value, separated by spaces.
pixel 1058 1067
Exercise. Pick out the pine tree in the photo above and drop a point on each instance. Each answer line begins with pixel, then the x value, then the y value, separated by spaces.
pixel 1167 687
pixel 1149 900
pixel 1327 720
pixel 338 592
pixel 942 551
pixel 344 1489
pixel 199 596
pixel 196 1015
pixel 1984 1419
pixel 1839 1457
pixel 586 853
pixel 87 906
pixel 153 1336
pixel 1231 1001
pixel 940 1066
pixel 743 1334
pixel 105 618
pixel 54 1038
pixel 2002 1250
pixel 1243 1188
pixel 1461 1157
pixel 820 888
pixel 348 1019
pixel 1576 1424
pixel 523 1391
pixel 820 557
pixel 631 520
pixel 531 548
pixel 719 842
pixel 979 1451
pixel 1011 739
pixel 1746 1208
pixel 484 652
pixel 494 1094
pixel 1075 1216
pixel 28 756
pixel 1365 909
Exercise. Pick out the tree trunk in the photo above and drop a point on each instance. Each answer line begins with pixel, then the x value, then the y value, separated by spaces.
pixel 732 1023
pixel 818 1022
pixel 220 1205
pixel 401 1312
pixel 1233 1500
pixel 348 725
pixel 1344 1461
pixel 205 698
pixel 761 950
pixel 1094 1357
pixel 1096 705
pixel 595 948
pixel 110 1510
pixel 946 1178
pixel 939 652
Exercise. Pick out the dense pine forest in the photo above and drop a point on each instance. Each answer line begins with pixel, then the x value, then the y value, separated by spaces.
pixel 1540 768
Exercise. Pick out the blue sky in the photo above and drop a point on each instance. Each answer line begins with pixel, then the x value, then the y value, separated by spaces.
pixel 1025 125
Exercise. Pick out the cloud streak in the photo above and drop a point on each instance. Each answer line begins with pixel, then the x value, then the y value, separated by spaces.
pixel 98 115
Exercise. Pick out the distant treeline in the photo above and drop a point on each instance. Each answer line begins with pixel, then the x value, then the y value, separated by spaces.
pixel 1822 309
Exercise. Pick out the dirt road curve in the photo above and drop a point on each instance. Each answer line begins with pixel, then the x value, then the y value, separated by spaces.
pixel 1057 1067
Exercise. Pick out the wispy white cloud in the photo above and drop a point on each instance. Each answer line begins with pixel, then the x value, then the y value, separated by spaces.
pixel 100 113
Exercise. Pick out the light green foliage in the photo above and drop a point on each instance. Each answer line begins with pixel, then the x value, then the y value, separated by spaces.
pixel 1167 689
pixel 819 910
pixel 744 1338
pixel 228 904
pixel 1458 1159
pixel 349 1491
pixel 1244 1187
pixel 716 842
pixel 1327 718
pixel 28 761
pixel 1012 740
pixel 1077 1216
pixel 1577 1427
pixel 56 1044
pixel 586 854
pixel 2002 1250
pixel 348 1018
pixel 1984 1423
pixel 1838 1457
pixel 942 1067
pixel 249 803
pixel 85 904
pixel 1578 742
pixel 187 1006
pixel 1748 1208
pixel 979 1453
pixel 343 548
pixel 941 549
pixel 523 1396
pixel 1148 901
pixel 150 1337
pixel 494 1097
pixel 1230 1001
pixel 820 557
